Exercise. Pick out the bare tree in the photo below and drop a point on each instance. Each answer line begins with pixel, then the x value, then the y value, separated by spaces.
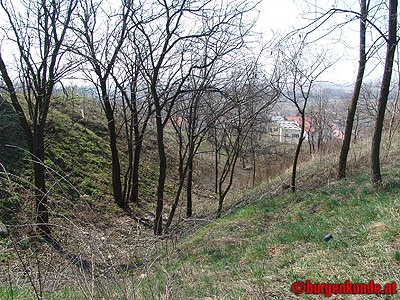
pixel 384 93
pixel 171 47
pixel 196 111
pixel 38 32
pixel 356 93
pixel 370 15
pixel 100 49
pixel 393 106
pixel 301 70
pixel 247 96
pixel 325 118
pixel 137 110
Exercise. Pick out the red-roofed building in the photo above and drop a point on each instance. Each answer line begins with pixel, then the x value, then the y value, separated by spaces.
pixel 287 129
pixel 297 119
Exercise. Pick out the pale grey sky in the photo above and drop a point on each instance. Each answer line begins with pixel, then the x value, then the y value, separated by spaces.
pixel 282 16
pixel 277 17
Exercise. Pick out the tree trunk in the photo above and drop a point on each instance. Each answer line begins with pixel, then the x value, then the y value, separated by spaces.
pixel 188 167
pixel 189 187
pixel 229 170
pixel 127 185
pixel 216 160
pixel 319 141
pixel 42 213
pixel 162 173
pixel 181 156
pixel 356 93
pixel 253 152
pixel 139 136
pixel 383 96
pixel 178 194
pixel 296 156
pixel 135 178
pixel 116 168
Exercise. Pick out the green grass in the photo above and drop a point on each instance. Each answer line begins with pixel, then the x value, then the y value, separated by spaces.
pixel 73 151
pixel 77 151
pixel 66 293
pixel 12 140
pixel 259 250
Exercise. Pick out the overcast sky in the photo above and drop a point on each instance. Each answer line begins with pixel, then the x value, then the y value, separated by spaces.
pixel 283 16
pixel 277 17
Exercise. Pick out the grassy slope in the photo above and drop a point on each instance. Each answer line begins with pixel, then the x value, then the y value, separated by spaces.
pixel 263 244
pixel 77 153
pixel 73 149
pixel 11 134
pixel 261 249
pixel 80 198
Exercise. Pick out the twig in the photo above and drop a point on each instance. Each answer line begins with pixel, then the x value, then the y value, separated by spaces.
pixel 25 268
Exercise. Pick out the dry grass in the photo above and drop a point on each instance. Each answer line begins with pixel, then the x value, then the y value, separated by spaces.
pixel 261 249
pixel 266 240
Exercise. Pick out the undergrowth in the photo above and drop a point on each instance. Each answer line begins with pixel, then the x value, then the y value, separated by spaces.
pixel 266 240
